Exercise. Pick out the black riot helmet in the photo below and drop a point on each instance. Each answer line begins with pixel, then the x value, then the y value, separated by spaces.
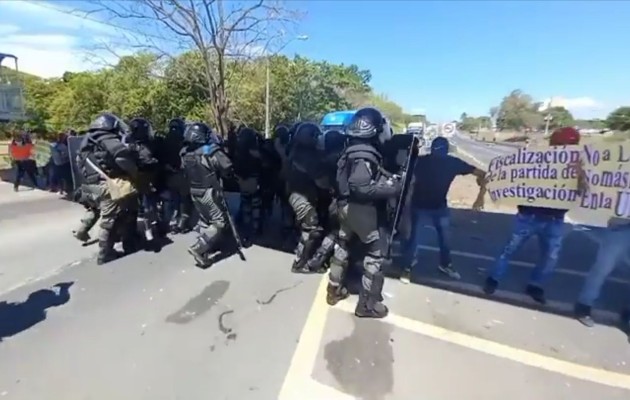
pixel 140 130
pixel 176 126
pixel 247 138
pixel 282 133
pixel 197 133
pixel 334 141
pixel 107 122
pixel 306 135
pixel 367 123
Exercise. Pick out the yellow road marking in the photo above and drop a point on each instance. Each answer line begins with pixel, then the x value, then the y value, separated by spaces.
pixel 578 371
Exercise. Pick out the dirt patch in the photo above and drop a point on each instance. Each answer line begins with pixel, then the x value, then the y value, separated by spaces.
pixel 463 194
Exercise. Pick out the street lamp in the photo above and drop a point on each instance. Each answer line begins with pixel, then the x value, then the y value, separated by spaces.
pixel 268 82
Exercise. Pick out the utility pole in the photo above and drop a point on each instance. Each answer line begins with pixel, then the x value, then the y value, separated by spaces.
pixel 548 119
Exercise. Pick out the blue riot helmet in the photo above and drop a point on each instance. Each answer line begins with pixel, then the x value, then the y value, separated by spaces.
pixel 368 123
pixel 439 146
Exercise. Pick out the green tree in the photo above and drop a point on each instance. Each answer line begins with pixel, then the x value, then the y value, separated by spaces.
pixel 619 119
pixel 517 112
pixel 560 117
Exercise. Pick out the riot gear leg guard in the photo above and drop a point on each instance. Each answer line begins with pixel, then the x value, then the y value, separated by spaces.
pixel 310 235
pixel 89 219
pixel 321 257
pixel 370 298
pixel 338 267
pixel 106 241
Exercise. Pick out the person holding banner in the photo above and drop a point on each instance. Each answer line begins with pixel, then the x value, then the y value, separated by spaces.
pixel 614 244
pixel 545 223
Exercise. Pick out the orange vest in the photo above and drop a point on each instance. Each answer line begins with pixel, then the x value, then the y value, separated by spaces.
pixel 20 152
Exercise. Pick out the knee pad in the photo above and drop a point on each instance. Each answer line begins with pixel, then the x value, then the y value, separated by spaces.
pixel 107 223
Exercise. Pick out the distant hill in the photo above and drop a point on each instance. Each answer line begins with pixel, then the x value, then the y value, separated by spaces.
pixel 9 72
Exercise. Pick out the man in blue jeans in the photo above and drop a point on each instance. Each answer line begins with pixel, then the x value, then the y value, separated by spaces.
pixel 432 178
pixel 615 243
pixel 545 223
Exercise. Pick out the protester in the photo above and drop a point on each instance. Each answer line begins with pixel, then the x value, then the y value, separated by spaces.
pixel 21 152
pixel 432 178
pixel 547 224
pixel 614 244
pixel 61 175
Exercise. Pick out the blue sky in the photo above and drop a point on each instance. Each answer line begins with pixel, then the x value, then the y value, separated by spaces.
pixel 443 58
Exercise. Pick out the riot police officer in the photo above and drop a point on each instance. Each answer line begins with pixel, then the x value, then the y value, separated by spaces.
pixel 248 164
pixel 334 144
pixel 205 163
pixel 140 140
pixel 305 174
pixel 179 198
pixel 281 144
pixel 363 193
pixel 103 155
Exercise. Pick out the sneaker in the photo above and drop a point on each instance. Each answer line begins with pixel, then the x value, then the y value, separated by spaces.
pixel 405 276
pixel 450 271
pixel 536 293
pixel 583 315
pixel 490 286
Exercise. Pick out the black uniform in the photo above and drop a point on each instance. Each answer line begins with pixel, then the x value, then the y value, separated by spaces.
pixel 204 164
pixel 140 140
pixel 306 177
pixel 177 191
pixel 281 140
pixel 363 193
pixel 103 147
pixel 334 144
pixel 248 165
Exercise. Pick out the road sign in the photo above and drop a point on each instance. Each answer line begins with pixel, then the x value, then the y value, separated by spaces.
pixel 448 129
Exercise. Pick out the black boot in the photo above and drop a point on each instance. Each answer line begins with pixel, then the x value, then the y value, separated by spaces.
pixel 199 250
pixel 582 313
pixel 81 236
pixel 370 305
pixel 334 294
pixel 317 264
pixel 182 226
pixel 106 252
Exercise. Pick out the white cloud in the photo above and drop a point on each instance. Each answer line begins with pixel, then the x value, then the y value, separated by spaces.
pixel 418 111
pixel 59 42
pixel 54 15
pixel 580 107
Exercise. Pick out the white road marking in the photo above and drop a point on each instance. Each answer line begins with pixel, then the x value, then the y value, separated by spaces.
pixel 578 371
pixel 519 263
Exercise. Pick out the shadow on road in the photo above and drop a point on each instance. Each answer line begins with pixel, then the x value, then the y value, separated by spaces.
pixel 18 317
pixel 478 237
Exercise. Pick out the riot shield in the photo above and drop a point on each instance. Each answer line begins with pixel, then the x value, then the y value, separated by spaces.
pixel 404 159
pixel 396 152
pixel 74 144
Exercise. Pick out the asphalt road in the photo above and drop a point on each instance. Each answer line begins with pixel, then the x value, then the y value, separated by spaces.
pixel 153 326
pixel 481 152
